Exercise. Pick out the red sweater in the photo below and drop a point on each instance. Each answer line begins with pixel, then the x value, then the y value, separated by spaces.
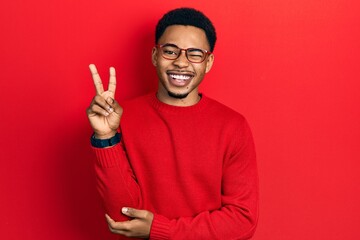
pixel 193 167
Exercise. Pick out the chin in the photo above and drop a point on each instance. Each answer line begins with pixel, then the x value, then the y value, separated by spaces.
pixel 178 95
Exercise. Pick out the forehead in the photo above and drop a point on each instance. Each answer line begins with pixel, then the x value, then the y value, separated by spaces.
pixel 185 37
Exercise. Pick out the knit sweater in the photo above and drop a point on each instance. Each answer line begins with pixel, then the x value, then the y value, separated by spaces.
pixel 193 167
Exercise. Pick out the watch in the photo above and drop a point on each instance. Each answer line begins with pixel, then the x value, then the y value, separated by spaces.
pixel 103 143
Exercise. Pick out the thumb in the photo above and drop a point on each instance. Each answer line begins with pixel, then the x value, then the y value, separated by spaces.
pixel 131 212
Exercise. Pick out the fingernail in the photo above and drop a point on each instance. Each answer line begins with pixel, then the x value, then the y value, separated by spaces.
pixel 124 210
pixel 110 109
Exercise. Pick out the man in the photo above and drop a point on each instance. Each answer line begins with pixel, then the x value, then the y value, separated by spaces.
pixel 182 165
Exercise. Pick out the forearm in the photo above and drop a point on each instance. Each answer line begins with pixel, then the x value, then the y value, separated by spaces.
pixel 115 180
pixel 236 219
pixel 226 223
pixel 237 216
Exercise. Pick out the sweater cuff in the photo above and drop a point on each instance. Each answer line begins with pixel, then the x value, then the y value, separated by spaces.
pixel 108 157
pixel 160 228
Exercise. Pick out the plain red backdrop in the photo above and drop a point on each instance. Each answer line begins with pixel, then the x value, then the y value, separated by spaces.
pixel 291 67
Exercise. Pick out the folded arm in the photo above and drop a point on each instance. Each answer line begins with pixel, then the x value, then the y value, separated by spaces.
pixel 235 219
pixel 115 181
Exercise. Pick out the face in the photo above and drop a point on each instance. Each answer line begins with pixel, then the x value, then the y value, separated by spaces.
pixel 179 79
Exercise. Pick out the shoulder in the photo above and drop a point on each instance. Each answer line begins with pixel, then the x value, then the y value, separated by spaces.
pixel 231 122
pixel 138 99
pixel 138 102
pixel 234 127
pixel 222 111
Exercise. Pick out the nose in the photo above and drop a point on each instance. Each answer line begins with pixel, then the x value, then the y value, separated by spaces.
pixel 181 61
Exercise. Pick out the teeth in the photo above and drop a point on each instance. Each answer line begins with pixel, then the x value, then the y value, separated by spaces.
pixel 180 77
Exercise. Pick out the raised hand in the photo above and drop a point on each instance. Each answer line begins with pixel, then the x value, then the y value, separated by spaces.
pixel 104 112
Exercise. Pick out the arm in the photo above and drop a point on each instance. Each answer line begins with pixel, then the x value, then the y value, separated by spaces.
pixel 115 180
pixel 237 217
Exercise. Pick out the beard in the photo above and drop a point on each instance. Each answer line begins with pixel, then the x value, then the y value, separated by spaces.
pixel 178 95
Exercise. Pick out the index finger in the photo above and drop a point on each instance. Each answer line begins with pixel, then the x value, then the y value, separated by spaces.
pixel 97 80
pixel 119 226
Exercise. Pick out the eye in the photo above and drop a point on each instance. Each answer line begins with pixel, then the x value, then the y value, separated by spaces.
pixel 170 51
pixel 195 53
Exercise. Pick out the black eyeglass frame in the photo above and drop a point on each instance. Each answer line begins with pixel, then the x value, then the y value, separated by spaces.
pixel 206 52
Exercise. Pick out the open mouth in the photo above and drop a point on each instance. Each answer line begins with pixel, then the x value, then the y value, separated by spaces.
pixel 180 79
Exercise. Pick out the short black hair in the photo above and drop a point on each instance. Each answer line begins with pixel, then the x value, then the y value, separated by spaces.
pixel 187 17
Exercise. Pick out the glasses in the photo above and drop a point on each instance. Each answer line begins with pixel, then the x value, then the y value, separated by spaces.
pixel 173 52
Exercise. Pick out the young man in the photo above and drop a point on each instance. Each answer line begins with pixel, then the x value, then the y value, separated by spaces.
pixel 182 165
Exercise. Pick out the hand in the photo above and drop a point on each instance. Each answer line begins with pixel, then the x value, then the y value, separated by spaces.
pixel 104 112
pixel 138 227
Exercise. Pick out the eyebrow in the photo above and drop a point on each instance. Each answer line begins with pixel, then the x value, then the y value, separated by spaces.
pixel 170 45
pixel 174 45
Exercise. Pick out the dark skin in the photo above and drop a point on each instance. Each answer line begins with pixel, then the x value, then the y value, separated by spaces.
pixel 138 227
pixel 104 112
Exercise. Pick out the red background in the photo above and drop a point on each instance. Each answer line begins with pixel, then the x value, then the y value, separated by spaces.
pixel 291 67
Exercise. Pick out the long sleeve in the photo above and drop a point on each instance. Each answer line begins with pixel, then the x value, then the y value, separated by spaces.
pixel 115 180
pixel 193 167
pixel 237 218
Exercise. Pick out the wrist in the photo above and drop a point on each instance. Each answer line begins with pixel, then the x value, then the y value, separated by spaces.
pixel 104 136
pixel 104 143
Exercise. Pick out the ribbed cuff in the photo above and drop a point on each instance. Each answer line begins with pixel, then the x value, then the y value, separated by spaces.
pixel 108 157
pixel 160 228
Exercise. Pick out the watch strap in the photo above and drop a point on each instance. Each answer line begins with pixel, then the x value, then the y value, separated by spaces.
pixel 103 143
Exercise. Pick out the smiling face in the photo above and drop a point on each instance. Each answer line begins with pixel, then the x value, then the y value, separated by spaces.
pixel 179 79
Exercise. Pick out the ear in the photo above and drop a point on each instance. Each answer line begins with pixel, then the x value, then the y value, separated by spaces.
pixel 154 56
pixel 209 62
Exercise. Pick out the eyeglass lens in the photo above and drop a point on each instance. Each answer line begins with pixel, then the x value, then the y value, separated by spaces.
pixel 193 54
